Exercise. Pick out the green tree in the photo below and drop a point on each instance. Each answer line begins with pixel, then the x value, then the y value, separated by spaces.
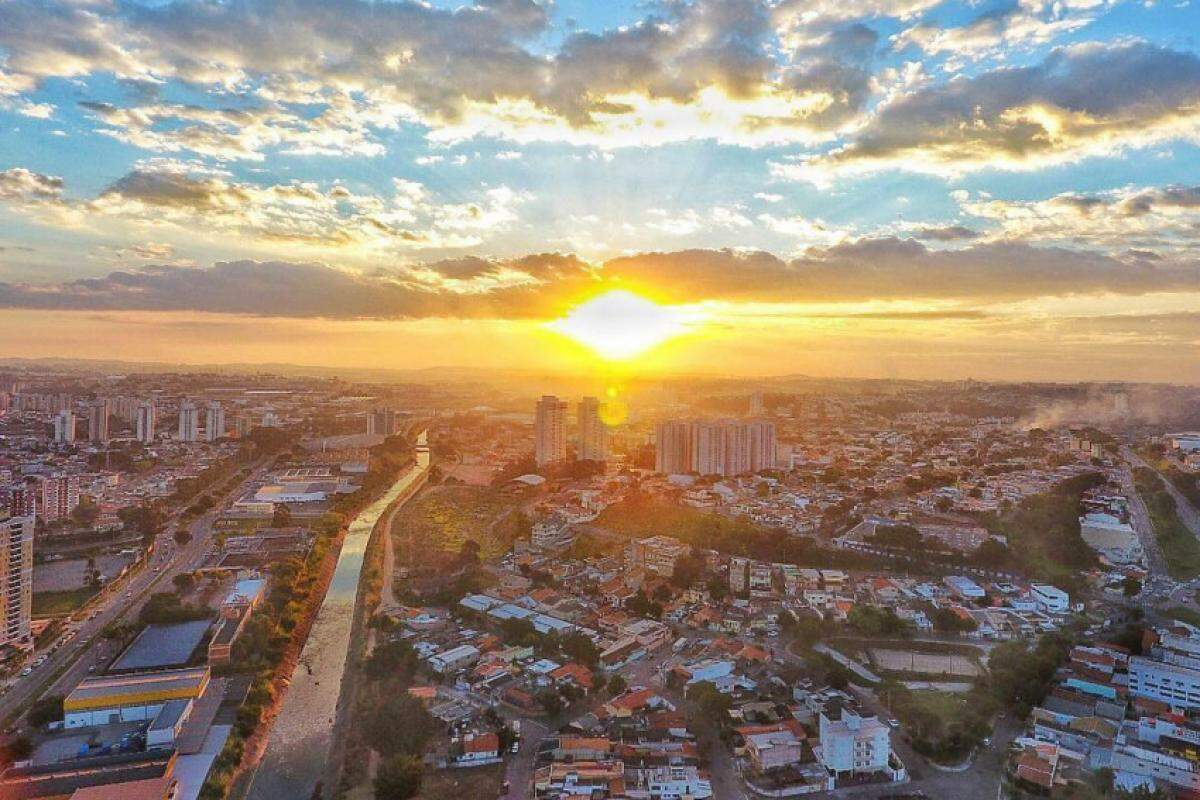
pixel 399 725
pixel 398 778
pixel 86 513
pixel 281 516
pixel 46 710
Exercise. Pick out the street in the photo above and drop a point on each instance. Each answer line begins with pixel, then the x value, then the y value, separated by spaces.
pixel 85 648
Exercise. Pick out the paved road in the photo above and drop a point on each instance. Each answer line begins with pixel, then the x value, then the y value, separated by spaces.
pixel 1140 517
pixel 518 772
pixel 84 647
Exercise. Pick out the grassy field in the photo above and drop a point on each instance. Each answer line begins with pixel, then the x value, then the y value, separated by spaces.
pixel 442 518
pixel 648 518
pixel 1181 549
pixel 52 604
pixel 1184 614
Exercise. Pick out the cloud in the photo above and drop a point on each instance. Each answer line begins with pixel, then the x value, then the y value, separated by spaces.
pixel 1084 100
pixel 1001 30
pixel 169 195
pixel 945 233
pixel 312 77
pixel 539 285
pixel 1143 219
pixel 20 184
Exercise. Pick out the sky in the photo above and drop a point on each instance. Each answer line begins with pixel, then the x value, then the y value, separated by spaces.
pixel 866 188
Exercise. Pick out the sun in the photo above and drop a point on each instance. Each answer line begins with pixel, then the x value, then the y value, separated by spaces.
pixel 619 325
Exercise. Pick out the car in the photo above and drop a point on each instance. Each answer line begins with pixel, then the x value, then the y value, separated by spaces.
pixel 516 747
pixel 26 671
pixel 91 668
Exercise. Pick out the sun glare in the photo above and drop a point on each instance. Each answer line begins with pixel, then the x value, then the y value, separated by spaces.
pixel 619 325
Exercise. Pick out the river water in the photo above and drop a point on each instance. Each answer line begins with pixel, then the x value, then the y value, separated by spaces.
pixel 298 745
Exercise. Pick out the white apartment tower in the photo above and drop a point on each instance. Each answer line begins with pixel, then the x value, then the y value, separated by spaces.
pixel 189 422
pixel 214 422
pixel 145 422
pixel 98 421
pixel 593 433
pixel 550 430
pixel 16 580
pixel 64 426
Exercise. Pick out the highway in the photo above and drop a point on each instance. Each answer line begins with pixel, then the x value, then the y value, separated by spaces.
pixel 82 645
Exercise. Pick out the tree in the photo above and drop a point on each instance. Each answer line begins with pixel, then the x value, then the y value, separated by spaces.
pixel 712 705
pixel 688 569
pixel 399 725
pixel 551 702
pixel 580 648
pixel 182 536
pixel 46 710
pixel 1131 586
pixel 717 588
pixel 617 685
pixel 281 516
pixel 86 513
pixel 398 778
pixel 184 582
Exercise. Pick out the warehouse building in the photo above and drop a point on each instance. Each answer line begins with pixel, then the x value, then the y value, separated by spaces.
pixel 135 697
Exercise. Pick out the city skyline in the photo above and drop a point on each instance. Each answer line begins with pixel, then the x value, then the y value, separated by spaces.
pixel 908 188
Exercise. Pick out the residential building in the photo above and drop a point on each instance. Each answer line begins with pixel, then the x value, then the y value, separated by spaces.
pixel 98 412
pixel 56 496
pixel 550 431
pixel 658 554
pixel 382 422
pixel 673 448
pixel 852 744
pixel 64 426
pixel 189 422
pixel 16 580
pixel 961 586
pixel 1050 599
pixel 242 425
pixel 593 433
pixel 739 575
pixel 1176 685
pixel 146 422
pixel 214 422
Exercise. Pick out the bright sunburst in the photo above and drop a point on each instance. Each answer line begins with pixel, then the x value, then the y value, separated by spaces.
pixel 619 325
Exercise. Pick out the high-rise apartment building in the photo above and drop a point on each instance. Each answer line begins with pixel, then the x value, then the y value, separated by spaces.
pixel 189 422
pixel 56 496
pixel 673 448
pixel 381 422
pixel 214 422
pixel 761 435
pixel 722 447
pixel 64 426
pixel 98 411
pixel 550 430
pixel 708 448
pixel 146 422
pixel 242 425
pixel 16 580
pixel 757 407
pixel 593 433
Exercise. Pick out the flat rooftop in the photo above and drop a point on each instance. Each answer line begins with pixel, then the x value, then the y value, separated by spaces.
pixel 159 646
pixel 141 687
